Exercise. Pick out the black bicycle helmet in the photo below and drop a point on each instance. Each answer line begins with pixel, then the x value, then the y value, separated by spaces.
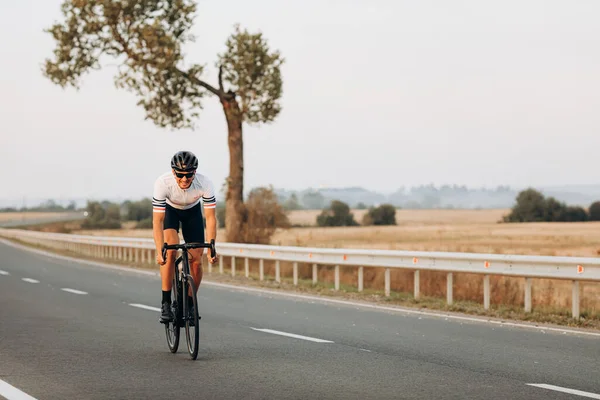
pixel 184 161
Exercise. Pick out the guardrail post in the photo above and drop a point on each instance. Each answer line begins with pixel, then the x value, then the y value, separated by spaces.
pixel 261 269
pixel 295 274
pixel 221 265
pixel 417 284
pixel 247 267
pixel 232 265
pixel 143 256
pixel 387 282
pixel 337 277
pixel 315 275
pixel 528 295
pixel 137 255
pixel 575 302
pixel 360 278
pixel 209 265
pixel 277 271
pixel 449 288
pixel 486 292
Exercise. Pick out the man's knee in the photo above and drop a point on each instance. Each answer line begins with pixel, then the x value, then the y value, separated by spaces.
pixel 196 263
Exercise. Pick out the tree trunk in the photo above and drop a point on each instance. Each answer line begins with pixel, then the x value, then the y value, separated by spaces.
pixel 235 212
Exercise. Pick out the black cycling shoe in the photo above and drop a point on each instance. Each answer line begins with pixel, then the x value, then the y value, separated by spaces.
pixel 166 314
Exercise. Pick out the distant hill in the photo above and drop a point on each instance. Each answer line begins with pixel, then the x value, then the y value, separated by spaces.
pixel 424 196
pixel 429 196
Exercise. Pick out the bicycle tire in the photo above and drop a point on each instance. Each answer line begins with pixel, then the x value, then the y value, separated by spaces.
pixel 172 329
pixel 192 333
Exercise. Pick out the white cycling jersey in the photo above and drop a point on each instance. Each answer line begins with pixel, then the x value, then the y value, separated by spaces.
pixel 167 191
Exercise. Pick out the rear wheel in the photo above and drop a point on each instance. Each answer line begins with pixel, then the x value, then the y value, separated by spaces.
pixel 172 328
pixel 192 329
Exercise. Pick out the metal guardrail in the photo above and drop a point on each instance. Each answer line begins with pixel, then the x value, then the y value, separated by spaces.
pixel 141 250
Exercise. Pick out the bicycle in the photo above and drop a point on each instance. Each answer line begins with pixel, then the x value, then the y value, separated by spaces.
pixel 182 283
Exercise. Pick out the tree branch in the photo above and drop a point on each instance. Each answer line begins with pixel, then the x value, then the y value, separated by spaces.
pixel 205 85
pixel 221 78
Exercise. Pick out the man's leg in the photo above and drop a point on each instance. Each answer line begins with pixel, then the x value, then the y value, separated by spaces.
pixel 196 266
pixel 166 275
pixel 192 229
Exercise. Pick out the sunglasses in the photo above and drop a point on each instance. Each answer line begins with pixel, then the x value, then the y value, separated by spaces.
pixel 182 174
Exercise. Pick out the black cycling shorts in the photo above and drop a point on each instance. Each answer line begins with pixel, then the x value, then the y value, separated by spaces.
pixel 192 223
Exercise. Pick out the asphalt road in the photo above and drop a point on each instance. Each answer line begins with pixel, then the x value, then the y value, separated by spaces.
pixel 63 344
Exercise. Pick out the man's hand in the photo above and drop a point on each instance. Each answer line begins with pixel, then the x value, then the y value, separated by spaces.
pixel 212 260
pixel 159 258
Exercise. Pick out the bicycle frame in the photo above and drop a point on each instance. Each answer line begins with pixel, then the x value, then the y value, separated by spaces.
pixel 184 282
pixel 184 273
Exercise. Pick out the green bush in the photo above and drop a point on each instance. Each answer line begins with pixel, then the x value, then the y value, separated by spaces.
pixel 103 215
pixel 594 212
pixel 532 206
pixel 138 210
pixel 146 223
pixel 338 214
pixel 385 214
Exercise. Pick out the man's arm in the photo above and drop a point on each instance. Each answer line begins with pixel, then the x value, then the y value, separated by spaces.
pixel 159 203
pixel 158 219
pixel 211 228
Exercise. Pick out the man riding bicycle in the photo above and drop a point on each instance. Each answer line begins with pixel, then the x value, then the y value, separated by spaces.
pixel 176 200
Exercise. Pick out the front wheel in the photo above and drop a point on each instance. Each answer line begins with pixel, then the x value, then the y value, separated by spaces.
pixel 172 328
pixel 192 329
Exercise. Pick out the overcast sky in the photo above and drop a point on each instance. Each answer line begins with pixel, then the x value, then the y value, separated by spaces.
pixel 378 94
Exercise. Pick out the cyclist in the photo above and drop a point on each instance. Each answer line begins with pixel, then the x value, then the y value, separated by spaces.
pixel 176 200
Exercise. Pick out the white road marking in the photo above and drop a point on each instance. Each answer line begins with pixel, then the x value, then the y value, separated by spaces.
pixel 395 309
pixel 312 339
pixel 73 291
pixel 4 272
pixel 12 393
pixel 365 350
pixel 145 307
pixel 30 280
pixel 566 390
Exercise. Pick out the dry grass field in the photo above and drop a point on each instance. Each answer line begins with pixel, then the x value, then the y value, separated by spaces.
pixel 473 231
pixel 25 216
pixel 477 231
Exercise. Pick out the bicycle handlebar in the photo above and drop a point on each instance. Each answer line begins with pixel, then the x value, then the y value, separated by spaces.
pixel 182 246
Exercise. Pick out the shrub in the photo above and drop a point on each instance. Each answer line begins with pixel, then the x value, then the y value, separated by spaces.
pixel 146 223
pixel 338 214
pixel 385 214
pixel 263 215
pixel 594 212
pixel 531 206
pixel 138 210
pixel 103 215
